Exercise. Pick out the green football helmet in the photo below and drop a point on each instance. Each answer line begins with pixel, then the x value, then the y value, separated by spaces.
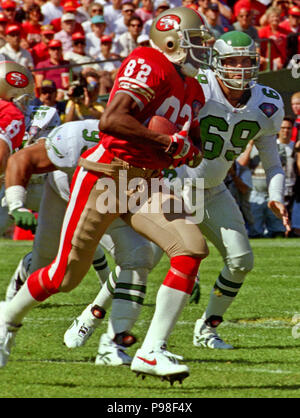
pixel 236 44
pixel 181 35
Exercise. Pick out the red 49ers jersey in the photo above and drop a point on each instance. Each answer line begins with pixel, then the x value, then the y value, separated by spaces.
pixel 153 82
pixel 12 124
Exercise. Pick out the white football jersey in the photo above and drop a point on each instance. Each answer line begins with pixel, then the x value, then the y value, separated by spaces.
pixel 67 142
pixel 40 120
pixel 226 130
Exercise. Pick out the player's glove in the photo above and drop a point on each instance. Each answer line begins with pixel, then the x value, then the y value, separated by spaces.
pixel 196 292
pixel 24 219
pixel 183 151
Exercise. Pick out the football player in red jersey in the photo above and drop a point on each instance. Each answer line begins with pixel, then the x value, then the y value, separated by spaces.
pixel 151 81
pixel 16 89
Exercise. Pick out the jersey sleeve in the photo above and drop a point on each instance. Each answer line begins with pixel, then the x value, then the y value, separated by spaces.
pixel 268 153
pixel 12 127
pixel 58 150
pixel 68 141
pixel 271 106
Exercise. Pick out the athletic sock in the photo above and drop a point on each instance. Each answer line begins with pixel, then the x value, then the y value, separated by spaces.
pixel 100 265
pixel 223 293
pixel 104 297
pixel 17 308
pixel 171 298
pixel 128 299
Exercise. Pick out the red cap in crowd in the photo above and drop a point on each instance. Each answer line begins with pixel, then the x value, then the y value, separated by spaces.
pixel 69 6
pixel 47 30
pixel 9 4
pixel 77 35
pixel 12 28
pixel 294 11
pixel 55 43
pixel 105 39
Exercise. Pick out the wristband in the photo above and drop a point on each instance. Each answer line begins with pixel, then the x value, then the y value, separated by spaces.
pixel 15 197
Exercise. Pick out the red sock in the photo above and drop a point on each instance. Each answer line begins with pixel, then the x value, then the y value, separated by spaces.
pixel 182 273
pixel 39 285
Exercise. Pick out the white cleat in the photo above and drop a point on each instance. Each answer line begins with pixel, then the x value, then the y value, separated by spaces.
pixel 7 339
pixel 159 363
pixel 112 354
pixel 83 326
pixel 205 335
pixel 19 277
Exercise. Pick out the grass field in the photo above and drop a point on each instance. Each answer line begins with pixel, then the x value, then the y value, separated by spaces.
pixel 264 364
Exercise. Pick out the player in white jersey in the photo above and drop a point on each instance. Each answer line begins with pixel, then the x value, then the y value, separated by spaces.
pixel 132 253
pixel 39 121
pixel 236 111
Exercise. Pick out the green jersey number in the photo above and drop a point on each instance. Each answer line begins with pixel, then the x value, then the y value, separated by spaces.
pixel 93 136
pixel 213 143
pixel 271 93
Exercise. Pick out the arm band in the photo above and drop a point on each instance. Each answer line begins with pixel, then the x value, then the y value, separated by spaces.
pixel 15 197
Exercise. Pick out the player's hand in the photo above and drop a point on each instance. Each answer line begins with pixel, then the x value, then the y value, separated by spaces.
pixel 281 212
pixel 24 219
pixel 183 151
pixel 196 292
pixel 180 145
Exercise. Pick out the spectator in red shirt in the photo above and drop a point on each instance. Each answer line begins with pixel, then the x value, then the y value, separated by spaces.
pixel 257 8
pixel 283 5
pixel 292 26
pixel 55 74
pixel 278 52
pixel 9 8
pixel 292 23
pixel 31 28
pixel 40 51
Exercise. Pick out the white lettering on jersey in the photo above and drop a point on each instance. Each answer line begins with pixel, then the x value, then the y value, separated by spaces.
pixel 172 104
pixel 12 129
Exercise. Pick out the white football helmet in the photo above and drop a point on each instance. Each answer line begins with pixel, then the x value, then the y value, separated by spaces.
pixel 180 34
pixel 236 44
pixel 16 84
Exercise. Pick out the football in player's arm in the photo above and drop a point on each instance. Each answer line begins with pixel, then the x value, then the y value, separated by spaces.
pixel 150 81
